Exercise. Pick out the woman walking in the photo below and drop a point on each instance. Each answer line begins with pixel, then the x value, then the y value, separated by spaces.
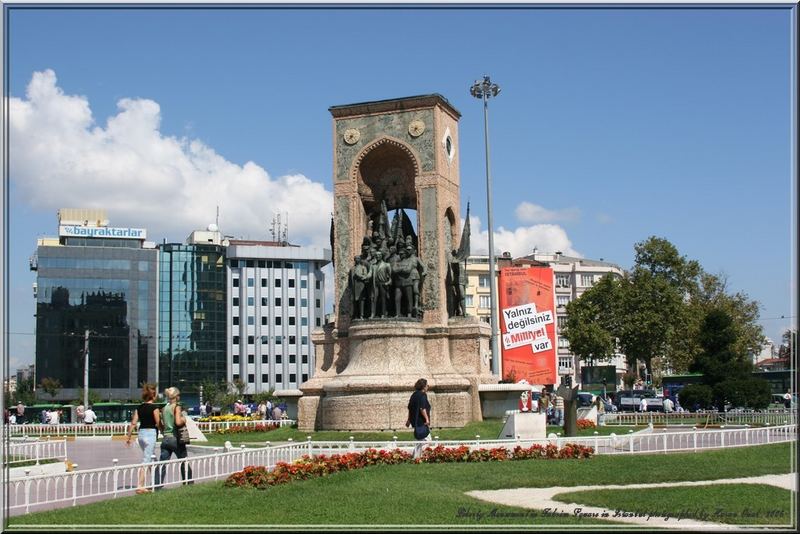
pixel 149 420
pixel 172 416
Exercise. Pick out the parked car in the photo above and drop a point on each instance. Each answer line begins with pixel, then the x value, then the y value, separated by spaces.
pixel 585 399
pixel 630 400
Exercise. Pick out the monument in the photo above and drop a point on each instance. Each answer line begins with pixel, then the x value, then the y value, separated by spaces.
pixel 398 286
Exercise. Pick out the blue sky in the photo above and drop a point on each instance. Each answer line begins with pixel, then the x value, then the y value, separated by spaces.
pixel 612 125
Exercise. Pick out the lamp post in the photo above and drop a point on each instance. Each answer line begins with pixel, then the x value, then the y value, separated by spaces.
pixel 86 368
pixel 485 89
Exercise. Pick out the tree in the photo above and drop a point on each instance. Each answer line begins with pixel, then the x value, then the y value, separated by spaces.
pixel 94 397
pixel 51 386
pixel 788 345
pixel 591 325
pixel 238 386
pixel 214 390
pixel 24 392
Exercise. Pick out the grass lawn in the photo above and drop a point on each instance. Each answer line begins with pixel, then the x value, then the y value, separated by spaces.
pixel 488 429
pixel 741 504
pixel 432 494
pixel 21 461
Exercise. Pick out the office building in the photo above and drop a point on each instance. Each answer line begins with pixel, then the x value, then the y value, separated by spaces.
pixel 276 297
pixel 96 288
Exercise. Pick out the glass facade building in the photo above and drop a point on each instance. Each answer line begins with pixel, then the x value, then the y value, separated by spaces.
pixel 105 286
pixel 192 310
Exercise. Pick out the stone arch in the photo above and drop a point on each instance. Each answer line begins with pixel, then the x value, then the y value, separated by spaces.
pixel 450 230
pixel 386 169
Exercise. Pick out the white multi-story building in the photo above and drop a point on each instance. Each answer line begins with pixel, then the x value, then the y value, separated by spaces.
pixel 276 296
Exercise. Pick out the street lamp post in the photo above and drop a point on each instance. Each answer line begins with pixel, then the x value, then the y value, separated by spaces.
pixel 485 89
pixel 86 368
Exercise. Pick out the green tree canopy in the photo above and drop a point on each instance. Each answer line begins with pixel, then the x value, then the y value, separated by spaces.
pixel 591 326
pixel 51 386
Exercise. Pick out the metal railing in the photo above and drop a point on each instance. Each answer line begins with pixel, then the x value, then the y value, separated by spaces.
pixel 712 417
pixel 118 429
pixel 24 451
pixel 40 492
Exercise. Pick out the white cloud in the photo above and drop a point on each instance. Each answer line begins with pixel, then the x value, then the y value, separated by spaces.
pixel 142 177
pixel 522 240
pixel 528 212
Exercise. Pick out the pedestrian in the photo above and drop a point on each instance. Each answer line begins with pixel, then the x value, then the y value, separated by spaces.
pixel 209 409
pixel 668 405
pixel 79 412
pixel 601 410
pixel 89 417
pixel 276 413
pixel 44 416
pixel 149 419
pixel 787 399
pixel 172 417
pixel 12 419
pixel 534 402
pixel 419 415
pixel 559 410
pixel 262 410
pixel 643 405
pixel 20 413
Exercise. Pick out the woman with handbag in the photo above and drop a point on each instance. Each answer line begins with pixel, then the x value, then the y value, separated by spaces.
pixel 149 419
pixel 173 426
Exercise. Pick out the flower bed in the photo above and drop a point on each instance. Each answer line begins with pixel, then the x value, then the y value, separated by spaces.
pixel 242 429
pixel 229 418
pixel 583 424
pixel 316 466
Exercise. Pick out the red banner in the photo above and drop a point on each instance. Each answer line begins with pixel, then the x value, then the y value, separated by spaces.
pixel 528 324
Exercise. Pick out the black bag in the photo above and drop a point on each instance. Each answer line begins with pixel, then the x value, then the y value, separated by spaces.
pixel 181 432
pixel 421 432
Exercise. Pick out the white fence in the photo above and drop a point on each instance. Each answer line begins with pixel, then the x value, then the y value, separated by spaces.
pixel 771 417
pixel 36 493
pixel 112 429
pixel 24 451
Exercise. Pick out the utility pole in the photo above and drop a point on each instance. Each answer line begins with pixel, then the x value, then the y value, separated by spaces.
pixel 86 369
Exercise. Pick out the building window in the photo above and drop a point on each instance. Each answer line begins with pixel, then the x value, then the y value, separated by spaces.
pixel 235 358
pixel 235 321
pixel 305 377
pixel 235 377
pixel 565 362
pixel 304 340
pixel 235 282
pixel 277 282
pixel 292 340
pixel 563 343
pixel 303 303
pixel 483 280
pixel 278 340
pixel 264 301
pixel 265 359
pixel 262 264
pixel 292 378
pixel 251 379
pixel 485 301
pixel 264 379
pixel 292 358
pixel 250 263
pixel 304 321
pixel 305 358
pixel 251 320
pixel 263 282
pixel 278 379
pixel 319 323
pixel 291 301
pixel 277 321
pixel 251 301
pixel 251 340
pixel 587 280
pixel 317 303
pixel 235 301
pixel 234 264
pixel 468 301
pixel 303 284
pixel 251 282
pixel 318 284
pixel 562 280
pixel 292 321
pixel 263 321
pixel 562 320
pixel 278 359
pixel 264 340
pixel 251 358
pixel 291 282
pixel 235 340
pixel 277 301
pixel 562 300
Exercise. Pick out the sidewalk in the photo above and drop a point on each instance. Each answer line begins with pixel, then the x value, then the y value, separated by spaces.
pixel 542 498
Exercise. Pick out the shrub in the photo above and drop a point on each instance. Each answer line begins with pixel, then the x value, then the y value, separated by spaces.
pixel 695 394
pixel 242 429
pixel 583 424
pixel 752 393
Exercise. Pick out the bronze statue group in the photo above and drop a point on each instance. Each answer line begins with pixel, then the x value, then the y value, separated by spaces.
pixel 387 276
